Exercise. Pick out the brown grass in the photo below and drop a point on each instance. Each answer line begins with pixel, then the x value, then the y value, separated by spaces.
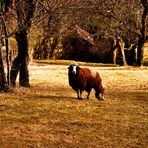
pixel 48 114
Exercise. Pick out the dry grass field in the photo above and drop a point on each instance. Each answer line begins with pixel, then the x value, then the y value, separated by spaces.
pixel 48 114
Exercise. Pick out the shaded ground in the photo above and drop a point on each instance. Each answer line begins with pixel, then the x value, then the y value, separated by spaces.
pixel 49 115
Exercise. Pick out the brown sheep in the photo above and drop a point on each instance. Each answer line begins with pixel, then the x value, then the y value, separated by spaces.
pixel 81 79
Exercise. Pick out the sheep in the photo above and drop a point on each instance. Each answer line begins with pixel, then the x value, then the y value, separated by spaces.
pixel 81 79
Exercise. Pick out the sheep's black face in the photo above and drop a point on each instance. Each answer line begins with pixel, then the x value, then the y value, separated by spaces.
pixel 100 94
pixel 73 69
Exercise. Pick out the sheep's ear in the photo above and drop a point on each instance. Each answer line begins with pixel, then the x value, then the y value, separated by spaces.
pixel 78 67
pixel 69 67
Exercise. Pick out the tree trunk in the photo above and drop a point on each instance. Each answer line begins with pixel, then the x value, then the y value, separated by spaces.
pixel 121 43
pixel 7 47
pixel 53 46
pixel 4 87
pixel 3 84
pixel 14 71
pixel 141 37
pixel 20 63
pixel 140 51
pixel 118 51
pixel 24 72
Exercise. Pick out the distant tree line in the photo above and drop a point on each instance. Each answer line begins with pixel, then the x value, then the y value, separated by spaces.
pixel 109 19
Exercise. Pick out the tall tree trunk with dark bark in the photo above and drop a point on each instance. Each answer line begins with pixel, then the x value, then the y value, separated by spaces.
pixel 142 35
pixel 3 84
pixel 20 63
pixel 4 87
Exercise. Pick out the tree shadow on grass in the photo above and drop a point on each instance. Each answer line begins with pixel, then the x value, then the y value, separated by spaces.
pixel 53 97
pixel 51 92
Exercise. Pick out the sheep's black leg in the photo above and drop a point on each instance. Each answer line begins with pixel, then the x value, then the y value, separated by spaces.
pixel 88 93
pixel 80 94
pixel 88 90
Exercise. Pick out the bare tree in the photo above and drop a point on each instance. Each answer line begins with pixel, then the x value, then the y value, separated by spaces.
pixel 4 9
pixel 25 10
pixel 142 32
pixel 111 18
pixel 48 19
pixel 115 18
